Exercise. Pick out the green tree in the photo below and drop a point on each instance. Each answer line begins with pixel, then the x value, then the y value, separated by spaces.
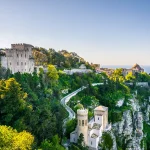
pixel 13 104
pixel 81 140
pixel 52 73
pixel 107 141
pixel 130 77
pixel 78 106
pixel 54 144
pixel 11 139
pixel 70 126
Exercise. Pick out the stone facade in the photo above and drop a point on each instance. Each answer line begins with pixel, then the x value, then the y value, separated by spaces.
pixel 18 59
pixel 135 69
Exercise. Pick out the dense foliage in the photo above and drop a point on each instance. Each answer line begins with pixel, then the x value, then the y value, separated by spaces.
pixel 11 139
pixel 63 58
pixel 107 142
pixel 30 103
pixel 107 95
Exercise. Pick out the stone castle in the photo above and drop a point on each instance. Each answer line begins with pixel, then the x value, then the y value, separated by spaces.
pixel 18 59
pixel 93 129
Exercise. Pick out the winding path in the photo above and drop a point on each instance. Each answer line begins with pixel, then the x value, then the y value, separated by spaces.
pixel 66 99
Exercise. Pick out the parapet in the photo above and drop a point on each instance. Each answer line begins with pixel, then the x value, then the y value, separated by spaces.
pixel 20 46
pixel 82 112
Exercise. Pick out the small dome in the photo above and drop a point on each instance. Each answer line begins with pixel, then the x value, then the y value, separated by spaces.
pixel 102 108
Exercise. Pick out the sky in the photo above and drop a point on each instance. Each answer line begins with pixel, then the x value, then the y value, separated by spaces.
pixel 106 32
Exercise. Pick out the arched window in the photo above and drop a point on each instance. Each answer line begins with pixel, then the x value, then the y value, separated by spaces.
pixel 85 122
pixel 82 122
pixel 79 122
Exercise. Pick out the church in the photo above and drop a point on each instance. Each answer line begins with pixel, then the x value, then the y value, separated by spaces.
pixel 93 129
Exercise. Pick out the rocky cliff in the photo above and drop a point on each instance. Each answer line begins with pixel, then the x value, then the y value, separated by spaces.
pixel 128 133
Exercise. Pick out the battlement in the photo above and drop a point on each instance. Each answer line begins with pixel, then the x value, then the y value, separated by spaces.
pixel 21 46
pixel 82 112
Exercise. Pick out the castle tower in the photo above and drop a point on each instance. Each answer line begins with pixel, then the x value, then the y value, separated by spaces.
pixel 102 113
pixel 82 126
pixel 19 58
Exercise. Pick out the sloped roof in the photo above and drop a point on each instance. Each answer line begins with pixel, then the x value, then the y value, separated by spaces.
pixel 94 136
pixel 136 66
pixel 96 126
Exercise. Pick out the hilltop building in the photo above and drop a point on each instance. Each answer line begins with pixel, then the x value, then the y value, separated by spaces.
pixel 135 69
pixel 96 67
pixel 18 59
pixel 93 129
pixel 108 71
pixel 81 69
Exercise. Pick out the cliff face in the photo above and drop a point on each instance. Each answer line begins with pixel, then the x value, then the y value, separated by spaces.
pixel 128 133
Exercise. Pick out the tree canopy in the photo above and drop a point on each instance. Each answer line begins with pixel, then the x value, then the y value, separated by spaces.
pixel 11 139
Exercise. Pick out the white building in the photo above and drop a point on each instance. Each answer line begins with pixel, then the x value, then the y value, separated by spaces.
pixel 81 69
pixel 93 129
pixel 18 59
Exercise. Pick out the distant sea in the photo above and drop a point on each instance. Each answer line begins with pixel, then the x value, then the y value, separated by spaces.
pixel 146 68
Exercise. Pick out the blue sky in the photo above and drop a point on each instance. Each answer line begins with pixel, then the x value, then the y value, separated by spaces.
pixel 109 32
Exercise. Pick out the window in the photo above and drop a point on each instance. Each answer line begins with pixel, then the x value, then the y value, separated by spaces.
pixel 79 122
pixel 18 63
pixel 21 63
pixel 85 122
pixel 98 118
pixel 10 63
pixel 25 63
pixel 91 142
pixel 21 55
pixel 25 55
pixel 17 55
pixel 82 122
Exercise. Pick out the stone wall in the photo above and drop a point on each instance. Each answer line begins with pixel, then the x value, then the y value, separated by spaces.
pixel 19 58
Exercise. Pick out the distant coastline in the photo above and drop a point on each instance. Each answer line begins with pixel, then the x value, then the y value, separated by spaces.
pixel 146 68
